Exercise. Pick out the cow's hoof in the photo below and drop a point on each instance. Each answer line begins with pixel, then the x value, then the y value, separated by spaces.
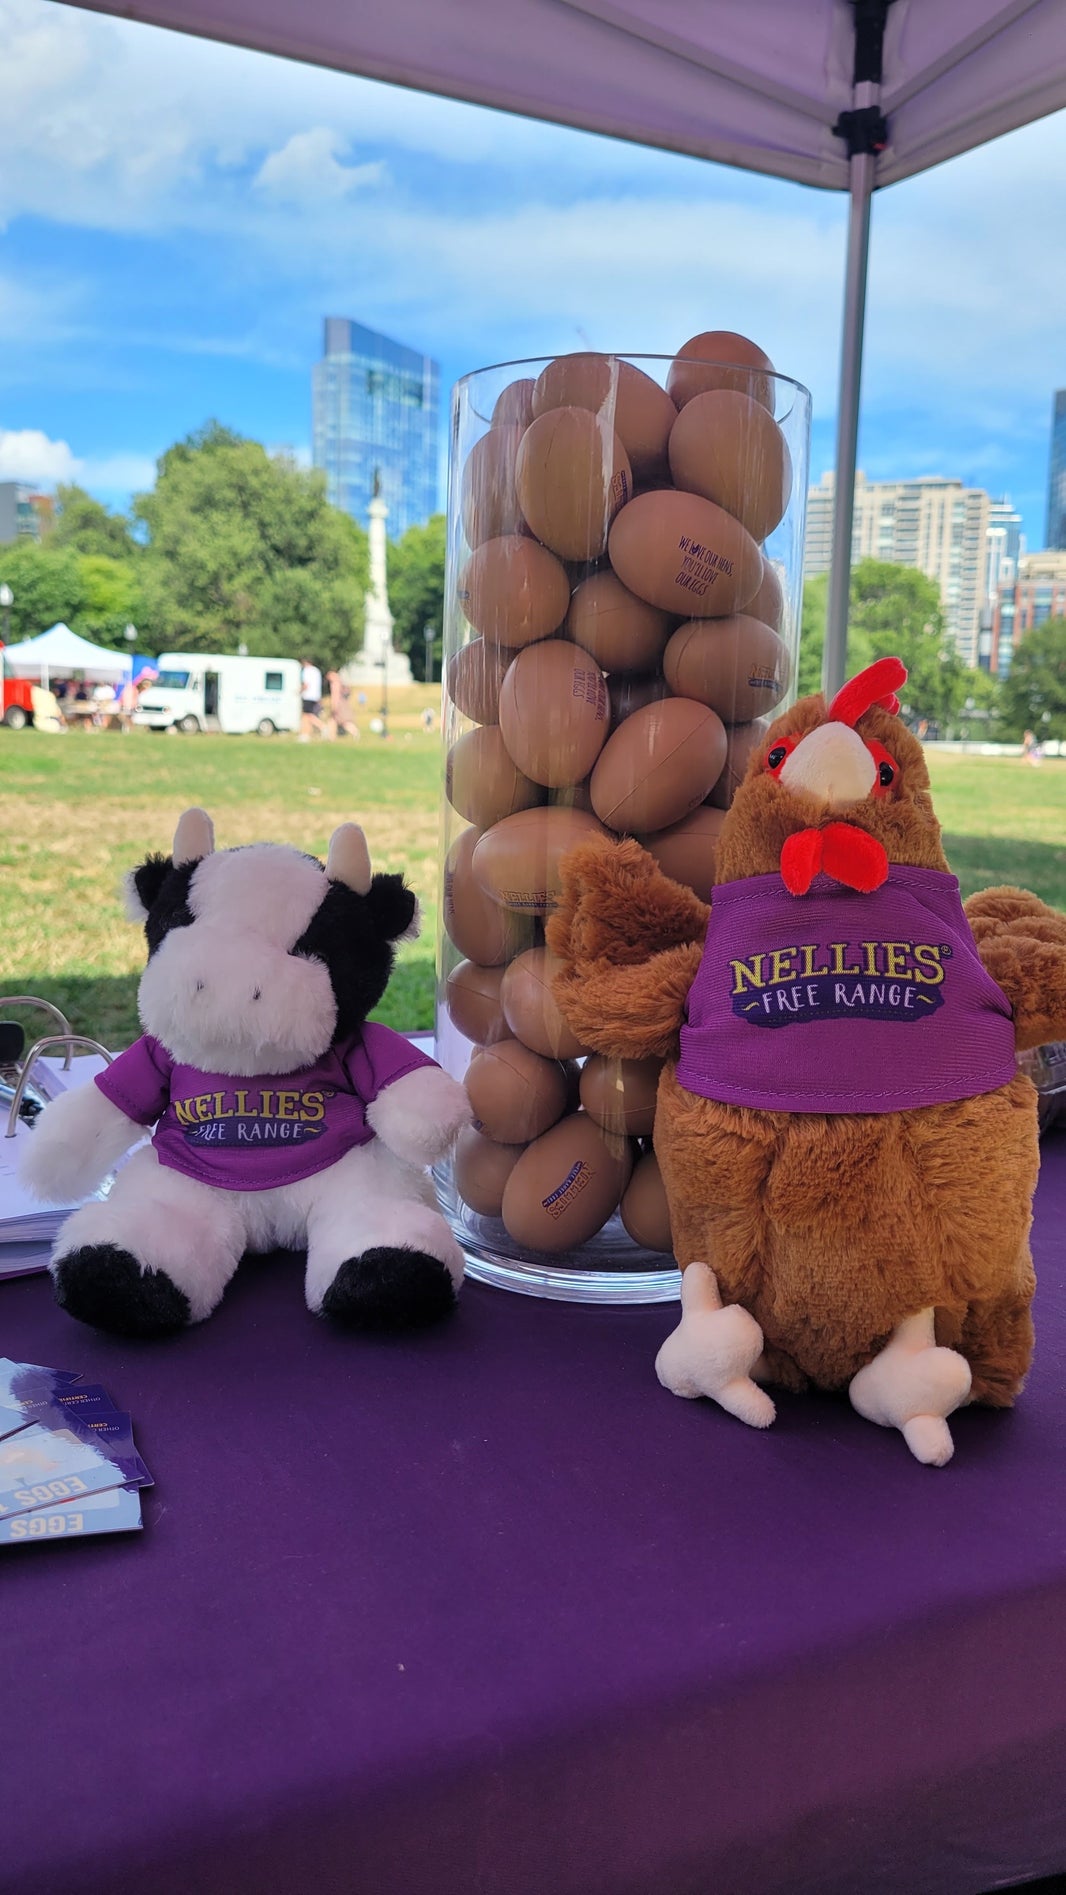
pixel 103 1285
pixel 391 1287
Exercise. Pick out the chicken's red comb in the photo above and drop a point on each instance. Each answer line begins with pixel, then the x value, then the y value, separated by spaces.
pixel 876 685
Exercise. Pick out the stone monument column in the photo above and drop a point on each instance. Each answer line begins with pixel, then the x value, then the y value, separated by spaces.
pixel 378 662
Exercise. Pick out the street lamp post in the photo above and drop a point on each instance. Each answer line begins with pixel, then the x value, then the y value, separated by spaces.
pixel 429 635
pixel 7 600
pixel 384 663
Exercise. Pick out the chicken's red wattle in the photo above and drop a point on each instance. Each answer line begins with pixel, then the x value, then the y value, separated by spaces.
pixel 847 854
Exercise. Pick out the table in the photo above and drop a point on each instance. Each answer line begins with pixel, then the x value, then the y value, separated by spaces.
pixel 488 1611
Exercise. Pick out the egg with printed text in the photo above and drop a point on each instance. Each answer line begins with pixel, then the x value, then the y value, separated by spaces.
pixel 554 712
pixel 685 554
pixel 566 1185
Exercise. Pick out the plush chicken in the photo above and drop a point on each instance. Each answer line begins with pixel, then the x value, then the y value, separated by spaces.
pixel 848 1149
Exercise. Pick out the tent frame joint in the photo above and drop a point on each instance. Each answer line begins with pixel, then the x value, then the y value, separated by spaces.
pixel 865 130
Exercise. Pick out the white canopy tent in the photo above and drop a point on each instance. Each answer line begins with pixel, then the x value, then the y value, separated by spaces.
pixel 850 95
pixel 59 652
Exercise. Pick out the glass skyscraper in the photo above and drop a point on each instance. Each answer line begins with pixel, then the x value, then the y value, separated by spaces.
pixel 1056 486
pixel 376 415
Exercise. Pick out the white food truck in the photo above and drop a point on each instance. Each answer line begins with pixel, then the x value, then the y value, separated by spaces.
pixel 200 691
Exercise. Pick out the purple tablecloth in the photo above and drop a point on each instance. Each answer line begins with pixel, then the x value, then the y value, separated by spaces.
pixel 488 1613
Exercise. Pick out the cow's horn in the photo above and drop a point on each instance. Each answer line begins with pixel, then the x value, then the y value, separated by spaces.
pixel 194 837
pixel 349 858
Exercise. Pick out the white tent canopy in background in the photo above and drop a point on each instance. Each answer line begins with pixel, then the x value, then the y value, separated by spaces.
pixel 755 83
pixel 61 653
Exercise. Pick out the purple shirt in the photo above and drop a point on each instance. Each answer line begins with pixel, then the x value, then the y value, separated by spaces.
pixel 255 1134
pixel 840 1002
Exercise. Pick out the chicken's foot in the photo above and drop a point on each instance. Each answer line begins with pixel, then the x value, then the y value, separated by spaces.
pixel 713 1351
pixel 914 1386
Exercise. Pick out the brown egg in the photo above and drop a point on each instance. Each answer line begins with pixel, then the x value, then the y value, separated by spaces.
pixel 686 851
pixel 472 996
pixel 685 555
pixel 515 403
pixel 479 927
pixel 554 713
pixel 644 1210
pixel 571 475
pixel 719 358
pixel 631 694
pixel 517 861
pixel 475 674
pixel 530 1009
pixel 622 632
pixel 620 1094
pixel 640 412
pixel 481 1169
pixel 487 498
pixel 661 763
pixel 515 1094
pixel 514 591
pixel 741 740
pixel 482 780
pixel 566 1185
pixel 729 449
pixel 768 604
pixel 737 665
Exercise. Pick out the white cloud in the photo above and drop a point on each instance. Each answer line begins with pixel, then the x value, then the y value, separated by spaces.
pixel 308 170
pixel 28 454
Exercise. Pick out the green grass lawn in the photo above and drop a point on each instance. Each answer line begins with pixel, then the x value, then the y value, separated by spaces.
pixel 77 812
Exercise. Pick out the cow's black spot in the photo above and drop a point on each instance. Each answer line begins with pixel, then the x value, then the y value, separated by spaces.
pixel 352 936
pixel 164 890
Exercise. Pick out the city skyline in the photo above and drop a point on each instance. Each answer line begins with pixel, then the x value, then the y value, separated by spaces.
pixel 177 214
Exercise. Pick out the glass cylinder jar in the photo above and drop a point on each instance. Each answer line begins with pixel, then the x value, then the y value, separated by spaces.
pixel 622 611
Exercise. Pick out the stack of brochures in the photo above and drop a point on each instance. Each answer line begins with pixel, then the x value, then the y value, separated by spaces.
pixel 68 1463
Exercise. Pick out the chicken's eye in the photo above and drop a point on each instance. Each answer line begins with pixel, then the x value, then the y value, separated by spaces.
pixel 887 769
pixel 778 754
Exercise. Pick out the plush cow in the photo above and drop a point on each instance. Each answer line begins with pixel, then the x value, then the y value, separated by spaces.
pixel 282 1119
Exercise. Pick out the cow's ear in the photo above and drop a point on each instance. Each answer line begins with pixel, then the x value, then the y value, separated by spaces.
pixel 393 908
pixel 142 885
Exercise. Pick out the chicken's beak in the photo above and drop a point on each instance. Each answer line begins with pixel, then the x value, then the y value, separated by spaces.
pixel 832 765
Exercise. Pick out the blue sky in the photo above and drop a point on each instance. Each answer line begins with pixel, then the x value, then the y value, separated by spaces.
pixel 176 218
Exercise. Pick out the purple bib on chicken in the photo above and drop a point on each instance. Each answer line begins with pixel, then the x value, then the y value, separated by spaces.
pixel 843 1002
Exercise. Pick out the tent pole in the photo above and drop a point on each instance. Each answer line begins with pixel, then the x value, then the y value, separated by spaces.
pixel 836 632
pixel 866 132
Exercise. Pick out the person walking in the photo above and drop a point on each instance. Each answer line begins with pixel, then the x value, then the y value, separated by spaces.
pixel 340 707
pixel 310 700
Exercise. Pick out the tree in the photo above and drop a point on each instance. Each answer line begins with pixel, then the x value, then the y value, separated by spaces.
pixel 87 525
pixel 112 598
pixel 1033 696
pixel 47 584
pixel 897 609
pixel 894 612
pixel 812 639
pixel 415 568
pixel 244 548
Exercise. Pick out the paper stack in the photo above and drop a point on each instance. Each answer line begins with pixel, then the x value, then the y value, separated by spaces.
pixel 27 1227
pixel 68 1463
